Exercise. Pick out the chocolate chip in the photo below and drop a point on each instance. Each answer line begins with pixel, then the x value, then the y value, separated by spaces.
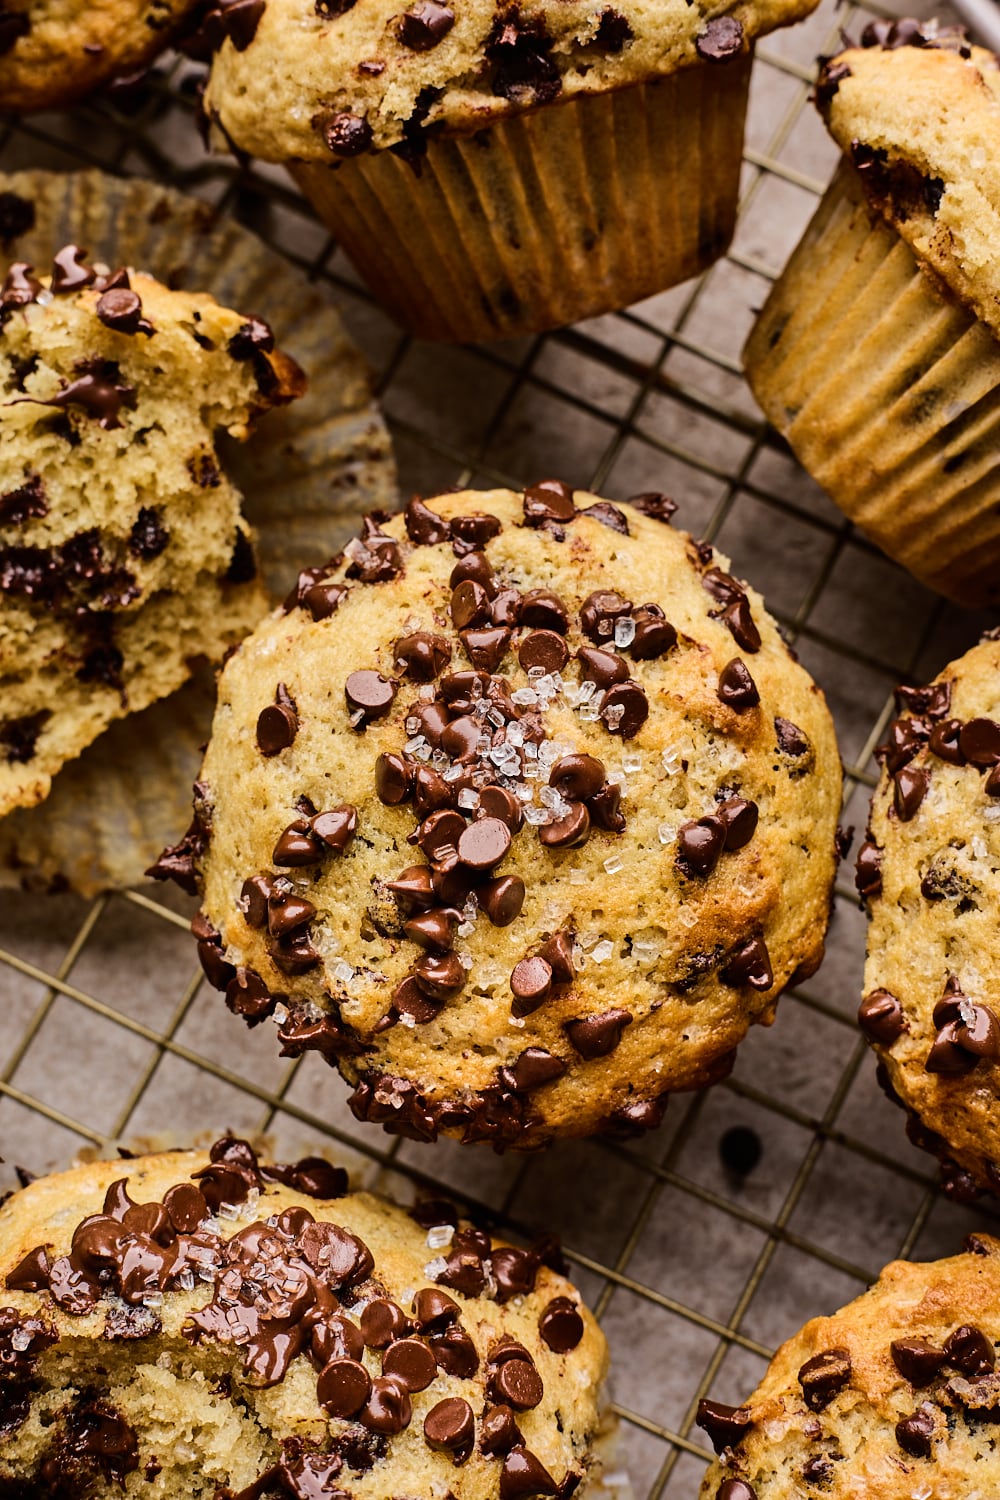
pixel 917 1360
pixel 725 1425
pixel 369 694
pixel 558 954
pixel 423 525
pixel 654 635
pixel 433 720
pixel 605 809
pixel 345 134
pixel 823 1376
pixel 914 1433
pixel 909 788
pixel 569 831
pixel 577 776
pixel 434 1310
pixel 383 1321
pixel 624 709
pixel 423 27
pixel 422 655
pixel 599 613
pixel 69 271
pixel 530 983
pixel 533 1068
pixel 20 287
pixel 545 649
pixel 410 1361
pixel 438 836
pixel 605 668
pixel 287 913
pixel 612 34
pixel 735 1489
pixel 523 1474
pixel 603 511
pixel 970 1351
pixel 739 621
pixel 433 929
pixel 474 529
pixel 470 605
pixel 413 886
pixel 388 1409
pixel 699 845
pixel 544 610
pixel 880 1016
pixel 486 648
pixel 440 974
pixel 393 779
pixel 517 1384
pixel 739 819
pixel 343 1387
pixel 737 688
pixel 454 1352
pixel 722 37
pixel 502 899
pixel 460 740
pixel 560 1325
pixel 500 802
pixel 548 500
pixel 477 568
pixel 868 870
pixel 312 1175
pixel 411 999
pixel 120 309
pixel 599 1035
pixel 296 845
pixel 791 740
pixel 505 609
pixel 248 996
pixel 277 726
pixel 449 1427
pixel 749 964
pixel 979 742
pixel 336 827
pixel 499 1432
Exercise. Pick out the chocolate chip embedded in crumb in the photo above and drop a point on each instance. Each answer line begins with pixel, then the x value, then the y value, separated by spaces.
pixel 345 134
pixel 699 845
pixel 548 500
pixel 523 1475
pixel 979 742
pixel 739 819
pixel 440 975
pixel 909 788
pixel 277 726
pixel 750 965
pixel 970 1351
pixel 533 1068
pixel 868 870
pixel 725 1425
pixel 914 1433
pixel 423 525
pixel 607 514
pixel 823 1376
pixel 425 25
pixel 148 537
pixel 560 1325
pixel 917 1360
pixel 599 1035
pixel 498 1431
pixel 368 695
pixel 737 689
pixel 27 502
pixel 721 38
pixel 880 1016
pixel 739 621
pixel 530 983
pixel 449 1427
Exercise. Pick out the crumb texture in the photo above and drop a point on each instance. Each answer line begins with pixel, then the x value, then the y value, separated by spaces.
pixel 209 1326
pixel 520 812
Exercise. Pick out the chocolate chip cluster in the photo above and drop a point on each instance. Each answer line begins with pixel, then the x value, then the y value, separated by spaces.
pixel 293 1286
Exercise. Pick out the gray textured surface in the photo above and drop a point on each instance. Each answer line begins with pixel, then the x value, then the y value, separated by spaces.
pixel 696 1273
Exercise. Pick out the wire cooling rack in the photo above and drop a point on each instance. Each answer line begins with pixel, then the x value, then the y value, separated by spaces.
pixel 780 1193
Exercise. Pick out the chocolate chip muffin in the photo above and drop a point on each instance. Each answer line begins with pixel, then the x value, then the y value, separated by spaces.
pixel 494 170
pixel 928 871
pixel 203 1325
pixel 520 813
pixel 123 554
pixel 877 353
pixel 52 54
pixel 895 1397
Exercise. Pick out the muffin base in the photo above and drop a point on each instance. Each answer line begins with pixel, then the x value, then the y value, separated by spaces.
pixel 552 215
pixel 888 391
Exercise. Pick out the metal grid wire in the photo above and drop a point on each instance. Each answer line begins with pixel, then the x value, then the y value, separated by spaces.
pixel 697 1259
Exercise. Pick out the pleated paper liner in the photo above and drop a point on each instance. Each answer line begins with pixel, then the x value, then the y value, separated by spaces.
pixel 549 216
pixel 888 391
pixel 307 473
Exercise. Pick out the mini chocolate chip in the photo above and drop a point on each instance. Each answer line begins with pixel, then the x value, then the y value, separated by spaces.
pixel 449 1427
pixel 486 648
pixel 823 1376
pixel 722 37
pixel 410 1361
pixel 530 983
pixel 470 604
pixel 699 845
pixel 523 1474
pixel 502 899
pixel 599 613
pixel 548 500
pixel 343 1387
pixel 544 610
pixel 599 1035
pixel 423 525
pixel 624 709
pixel 560 1325
pixel 568 831
pixel 517 1384
pixel 345 134
pixel 369 694
pixel 739 819
pixel 970 1351
pixel 917 1360
pixel 605 668
pixel 277 726
pixel 880 1016
pixel 545 649
pixel 737 688
pixel 726 1425
pixel 422 655
pixel 909 788
pixel 914 1433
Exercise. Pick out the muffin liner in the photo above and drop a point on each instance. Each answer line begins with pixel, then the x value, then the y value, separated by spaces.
pixel 550 215
pixel 307 473
pixel 888 390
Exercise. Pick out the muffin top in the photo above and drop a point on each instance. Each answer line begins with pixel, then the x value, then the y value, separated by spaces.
pixel 218 1327
pixel 892 1398
pixel 324 80
pixel 53 52
pixel 521 813
pixel 917 110
pixel 929 872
